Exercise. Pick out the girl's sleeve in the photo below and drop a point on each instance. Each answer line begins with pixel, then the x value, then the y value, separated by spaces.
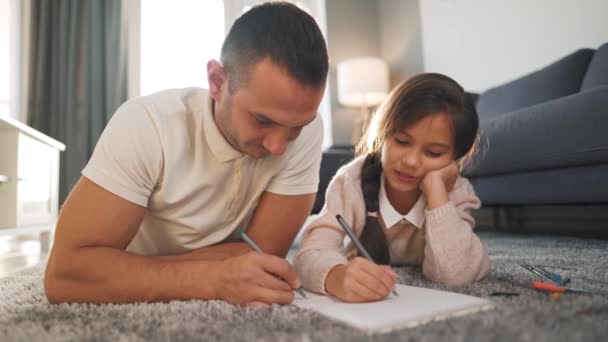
pixel 322 243
pixel 453 254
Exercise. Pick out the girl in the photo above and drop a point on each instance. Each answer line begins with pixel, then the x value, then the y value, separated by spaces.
pixel 403 197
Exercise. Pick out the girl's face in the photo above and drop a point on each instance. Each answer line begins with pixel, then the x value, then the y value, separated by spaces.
pixel 407 156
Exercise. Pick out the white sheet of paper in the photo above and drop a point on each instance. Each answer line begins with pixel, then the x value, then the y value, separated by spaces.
pixel 413 306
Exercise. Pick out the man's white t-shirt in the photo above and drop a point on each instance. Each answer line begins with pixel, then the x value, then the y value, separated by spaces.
pixel 165 152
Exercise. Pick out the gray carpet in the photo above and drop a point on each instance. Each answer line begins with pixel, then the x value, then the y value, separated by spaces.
pixel 25 314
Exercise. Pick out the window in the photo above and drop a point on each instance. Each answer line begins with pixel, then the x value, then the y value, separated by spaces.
pixel 4 56
pixel 178 38
pixel 10 65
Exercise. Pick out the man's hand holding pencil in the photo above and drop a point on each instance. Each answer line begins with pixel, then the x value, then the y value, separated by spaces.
pixel 255 278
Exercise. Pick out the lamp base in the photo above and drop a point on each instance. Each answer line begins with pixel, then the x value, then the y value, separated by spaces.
pixel 360 125
pixel 357 132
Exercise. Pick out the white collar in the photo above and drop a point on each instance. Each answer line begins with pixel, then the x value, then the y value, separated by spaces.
pixel 391 216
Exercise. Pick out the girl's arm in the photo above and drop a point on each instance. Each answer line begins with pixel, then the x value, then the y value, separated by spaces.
pixel 453 254
pixel 321 248
pixel 320 262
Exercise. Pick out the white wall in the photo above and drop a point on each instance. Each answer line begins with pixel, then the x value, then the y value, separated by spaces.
pixel 352 31
pixel 400 38
pixel 385 28
pixel 482 43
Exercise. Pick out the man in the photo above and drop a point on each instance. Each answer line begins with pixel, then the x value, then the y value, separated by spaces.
pixel 177 174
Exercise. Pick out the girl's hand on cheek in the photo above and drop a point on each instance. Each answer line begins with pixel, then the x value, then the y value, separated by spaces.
pixel 360 281
pixel 445 176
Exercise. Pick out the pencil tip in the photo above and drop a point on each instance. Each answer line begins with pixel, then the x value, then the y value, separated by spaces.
pixel 300 292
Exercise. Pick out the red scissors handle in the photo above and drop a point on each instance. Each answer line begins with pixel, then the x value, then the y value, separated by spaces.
pixel 539 285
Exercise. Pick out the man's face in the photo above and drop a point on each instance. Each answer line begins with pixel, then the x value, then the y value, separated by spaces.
pixel 266 112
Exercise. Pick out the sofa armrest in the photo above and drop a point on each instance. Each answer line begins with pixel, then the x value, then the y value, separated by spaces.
pixel 332 159
pixel 566 132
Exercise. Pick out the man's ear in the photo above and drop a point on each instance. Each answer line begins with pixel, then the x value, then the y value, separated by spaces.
pixel 218 82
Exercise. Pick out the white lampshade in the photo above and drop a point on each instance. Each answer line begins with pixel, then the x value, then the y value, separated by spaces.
pixel 362 82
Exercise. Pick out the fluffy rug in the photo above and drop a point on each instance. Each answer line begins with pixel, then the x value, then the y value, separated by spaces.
pixel 25 315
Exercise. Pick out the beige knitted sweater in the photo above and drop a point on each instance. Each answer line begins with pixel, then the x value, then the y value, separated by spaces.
pixel 441 239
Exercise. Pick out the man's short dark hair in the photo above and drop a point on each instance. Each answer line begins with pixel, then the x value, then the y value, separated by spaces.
pixel 281 31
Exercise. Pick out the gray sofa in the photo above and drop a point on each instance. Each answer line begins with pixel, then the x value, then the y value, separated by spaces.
pixel 543 136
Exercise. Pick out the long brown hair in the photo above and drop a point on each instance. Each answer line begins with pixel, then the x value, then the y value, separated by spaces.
pixel 420 96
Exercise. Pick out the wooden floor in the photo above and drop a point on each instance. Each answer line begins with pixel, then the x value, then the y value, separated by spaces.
pixel 19 252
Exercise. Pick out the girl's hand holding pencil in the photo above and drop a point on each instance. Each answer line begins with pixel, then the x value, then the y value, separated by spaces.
pixel 361 280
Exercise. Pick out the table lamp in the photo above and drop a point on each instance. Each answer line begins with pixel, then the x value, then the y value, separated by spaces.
pixel 362 82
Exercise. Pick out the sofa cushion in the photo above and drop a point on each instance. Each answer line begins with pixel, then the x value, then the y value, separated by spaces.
pixel 567 132
pixel 597 73
pixel 583 184
pixel 561 78
pixel 331 161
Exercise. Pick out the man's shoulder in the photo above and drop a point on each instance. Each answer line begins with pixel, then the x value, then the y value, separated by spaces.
pixel 313 131
pixel 311 135
pixel 172 112
pixel 172 102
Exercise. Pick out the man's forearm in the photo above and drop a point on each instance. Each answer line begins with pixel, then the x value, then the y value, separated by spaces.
pixel 217 252
pixel 108 275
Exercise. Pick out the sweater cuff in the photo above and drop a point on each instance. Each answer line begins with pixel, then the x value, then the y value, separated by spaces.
pixel 326 263
pixel 438 216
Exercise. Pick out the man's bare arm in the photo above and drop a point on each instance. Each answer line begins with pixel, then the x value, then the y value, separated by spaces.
pixel 88 262
pixel 278 219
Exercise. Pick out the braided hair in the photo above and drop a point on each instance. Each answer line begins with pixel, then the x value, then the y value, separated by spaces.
pixel 372 237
